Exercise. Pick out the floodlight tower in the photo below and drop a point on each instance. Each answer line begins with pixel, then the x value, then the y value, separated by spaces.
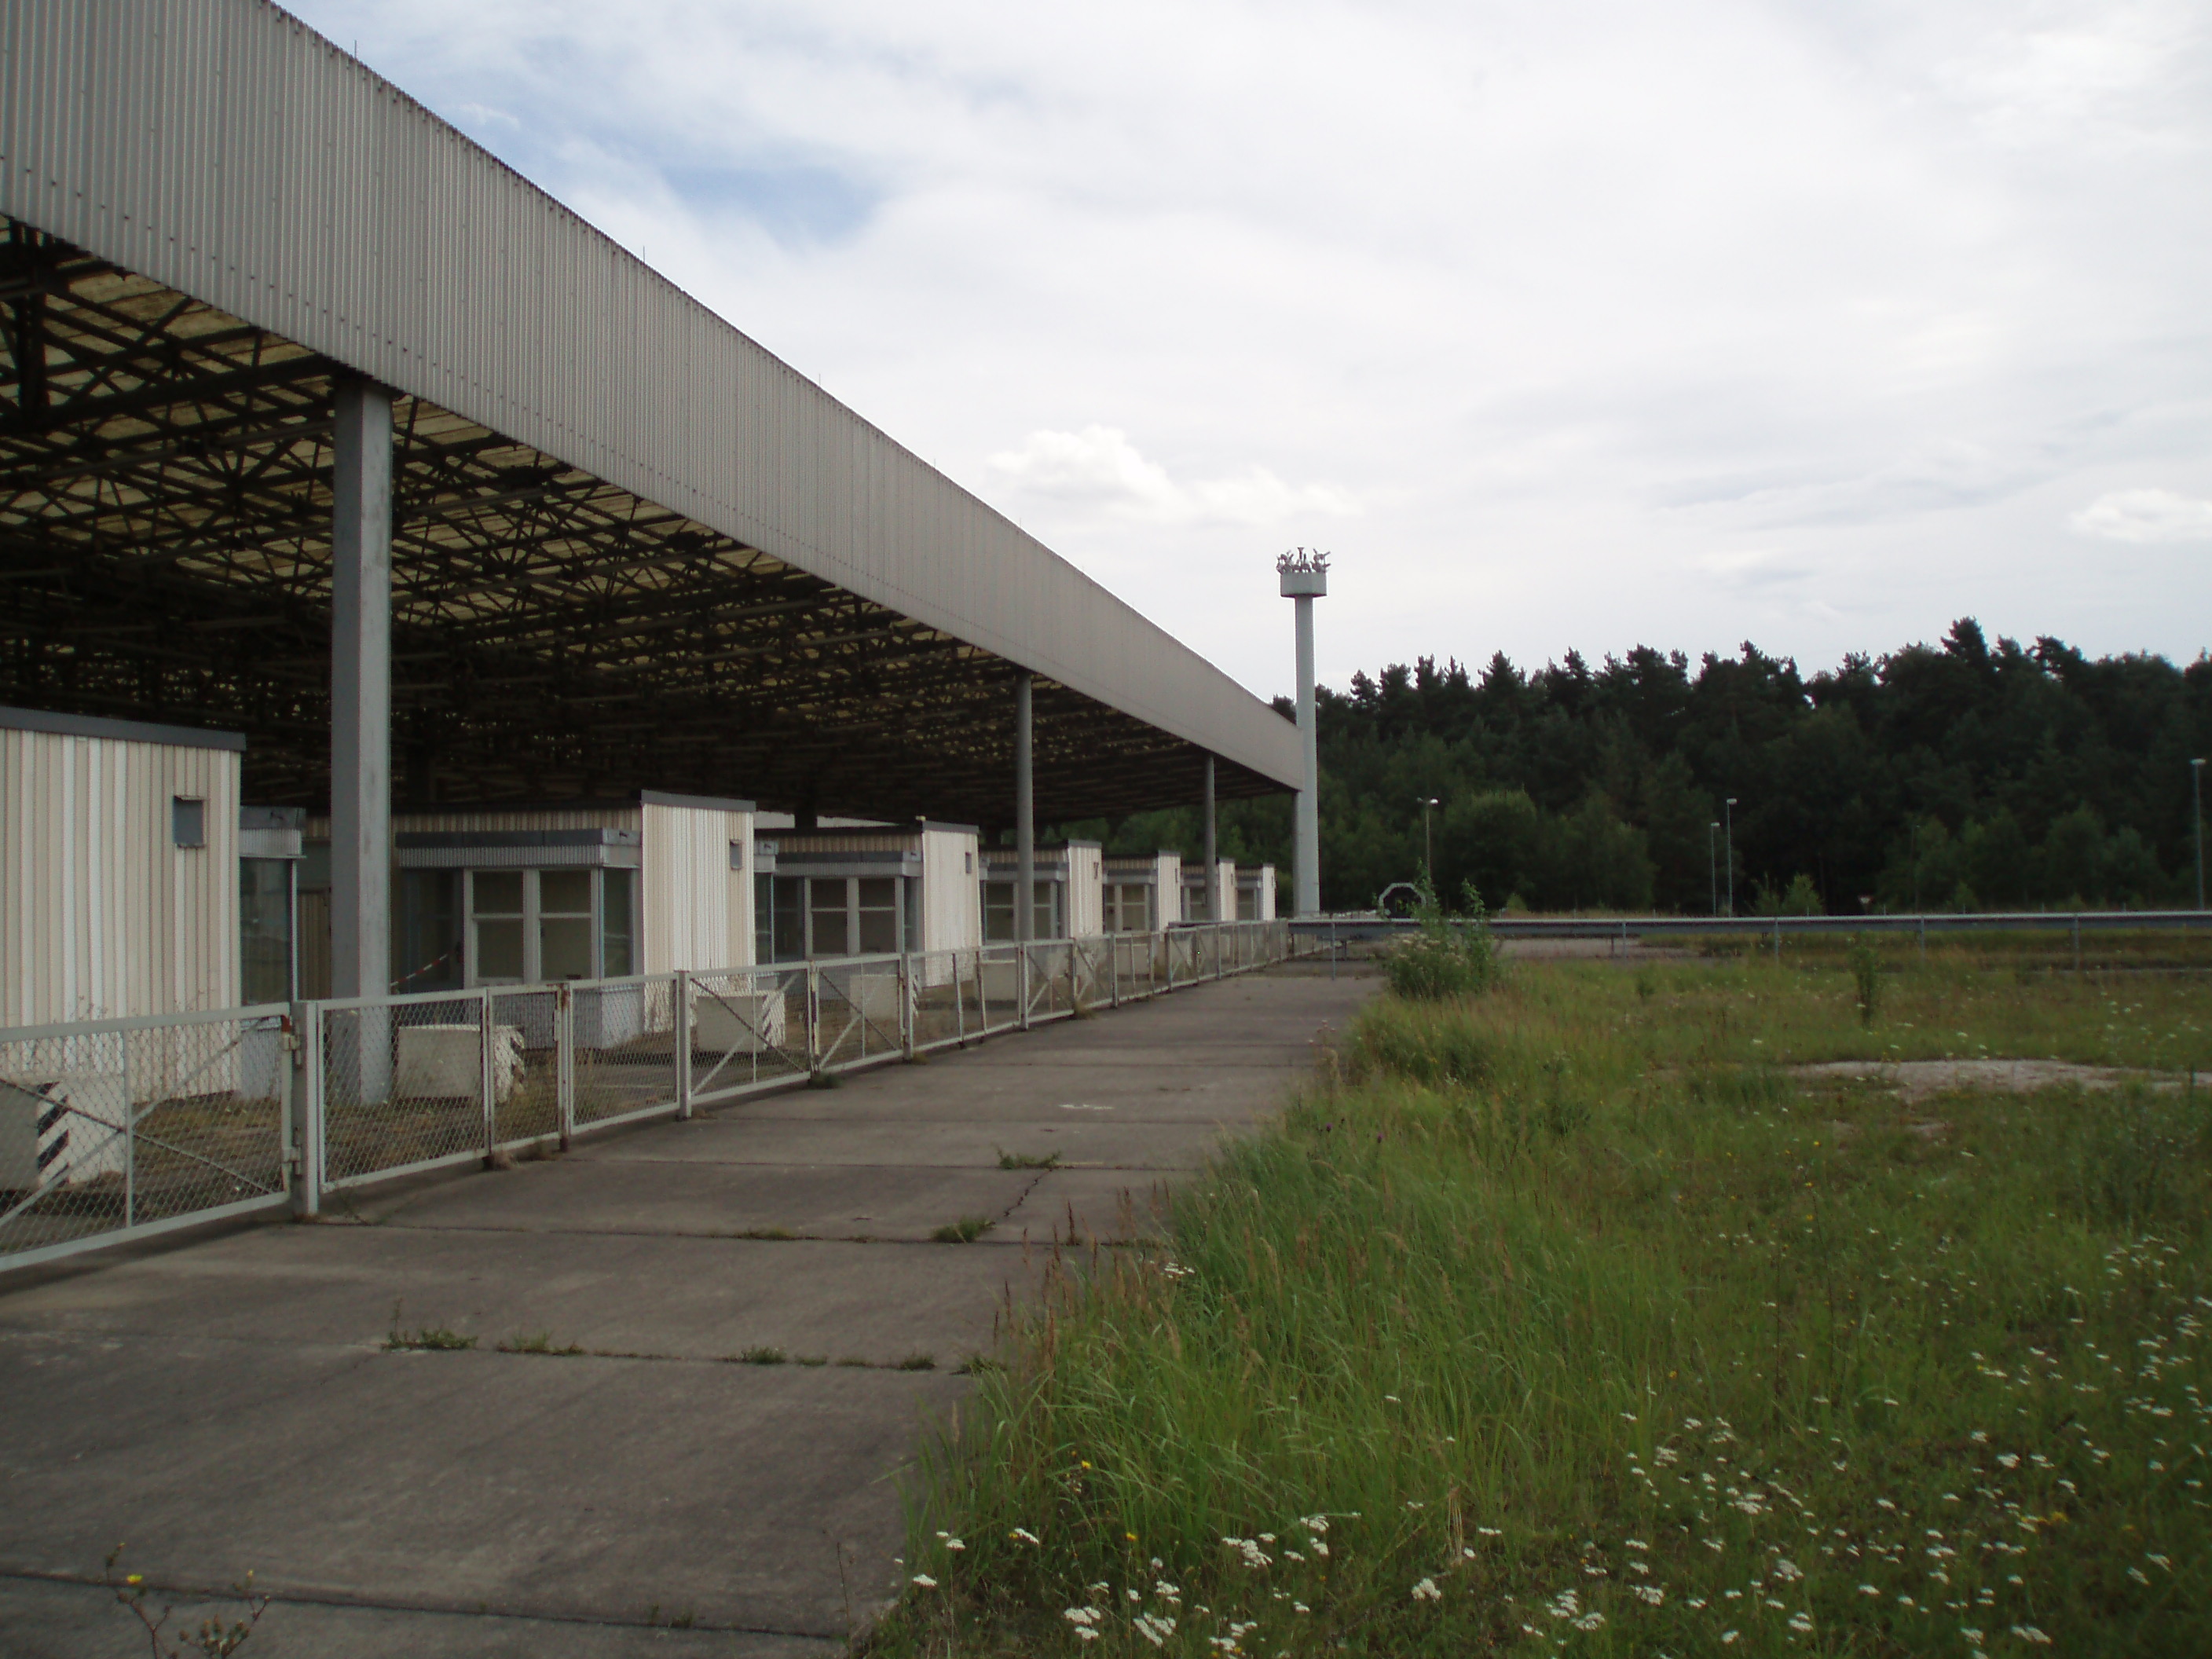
pixel 1304 576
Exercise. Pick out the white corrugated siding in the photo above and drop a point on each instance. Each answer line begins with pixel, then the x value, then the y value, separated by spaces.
pixel 224 147
pixel 952 896
pixel 695 911
pixel 1086 901
pixel 102 916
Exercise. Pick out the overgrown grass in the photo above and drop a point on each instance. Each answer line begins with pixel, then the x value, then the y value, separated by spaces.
pixel 1574 1319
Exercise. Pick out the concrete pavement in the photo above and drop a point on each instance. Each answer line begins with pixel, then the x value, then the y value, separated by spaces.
pixel 764 1327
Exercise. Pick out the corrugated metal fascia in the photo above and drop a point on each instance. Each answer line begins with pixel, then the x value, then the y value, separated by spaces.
pixel 224 148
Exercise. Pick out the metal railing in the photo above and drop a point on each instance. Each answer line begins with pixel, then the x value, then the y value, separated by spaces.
pixel 119 1129
pixel 1367 924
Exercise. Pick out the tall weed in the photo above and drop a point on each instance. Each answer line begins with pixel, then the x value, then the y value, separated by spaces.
pixel 1444 956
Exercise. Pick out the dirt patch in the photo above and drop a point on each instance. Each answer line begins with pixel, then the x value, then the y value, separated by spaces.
pixel 1918 1079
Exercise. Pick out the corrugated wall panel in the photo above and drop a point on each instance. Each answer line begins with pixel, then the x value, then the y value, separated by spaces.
pixel 104 916
pixel 694 910
pixel 1086 899
pixel 617 817
pixel 952 896
pixel 221 147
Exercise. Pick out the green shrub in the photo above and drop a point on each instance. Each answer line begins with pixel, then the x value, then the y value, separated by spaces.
pixel 1445 956
pixel 1866 979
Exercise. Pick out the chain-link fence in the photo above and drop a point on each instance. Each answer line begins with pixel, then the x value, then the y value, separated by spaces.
pixel 623 1038
pixel 750 1027
pixel 115 1128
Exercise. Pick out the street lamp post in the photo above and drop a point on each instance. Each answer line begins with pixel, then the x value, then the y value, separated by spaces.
pixel 1727 848
pixel 2197 800
pixel 1713 861
pixel 1428 840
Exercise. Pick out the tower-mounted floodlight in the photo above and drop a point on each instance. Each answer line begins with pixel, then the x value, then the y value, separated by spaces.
pixel 1304 575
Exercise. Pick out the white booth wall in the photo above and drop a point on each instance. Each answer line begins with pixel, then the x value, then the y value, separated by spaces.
pixel 103 914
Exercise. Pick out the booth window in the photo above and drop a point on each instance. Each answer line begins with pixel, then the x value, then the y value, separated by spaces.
pixel 188 821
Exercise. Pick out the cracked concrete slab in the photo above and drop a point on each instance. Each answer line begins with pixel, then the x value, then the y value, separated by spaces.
pixel 225 1403
pixel 682 1297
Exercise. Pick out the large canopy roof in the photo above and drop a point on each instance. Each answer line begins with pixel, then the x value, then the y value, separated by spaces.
pixel 631 548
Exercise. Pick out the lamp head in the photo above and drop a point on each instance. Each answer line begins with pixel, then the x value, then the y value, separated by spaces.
pixel 1304 574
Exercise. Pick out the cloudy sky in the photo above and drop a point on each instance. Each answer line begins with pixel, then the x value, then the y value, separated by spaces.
pixel 1562 324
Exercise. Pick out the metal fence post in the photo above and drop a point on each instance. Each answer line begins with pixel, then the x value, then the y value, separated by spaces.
pixel 130 1152
pixel 1021 988
pixel 308 1108
pixel 906 1004
pixel 564 1062
pixel 1113 969
pixel 960 995
pixel 682 992
pixel 813 1019
pixel 485 1084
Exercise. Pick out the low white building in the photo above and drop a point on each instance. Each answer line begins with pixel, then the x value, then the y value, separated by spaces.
pixel 533 894
pixel 1141 895
pixel 1205 900
pixel 1068 896
pixel 867 890
pixel 119 868
pixel 1255 892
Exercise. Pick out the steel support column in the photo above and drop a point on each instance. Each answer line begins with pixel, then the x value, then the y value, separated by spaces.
pixel 361 692
pixel 1024 819
pixel 1212 883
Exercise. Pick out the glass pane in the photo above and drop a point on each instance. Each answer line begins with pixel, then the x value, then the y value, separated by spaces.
pixel 564 892
pixel 564 947
pixel 998 911
pixel 826 897
pixel 264 929
pixel 616 930
pixel 499 948
pixel 1046 911
pixel 428 954
pixel 497 892
pixel 763 918
pixel 878 914
pixel 790 919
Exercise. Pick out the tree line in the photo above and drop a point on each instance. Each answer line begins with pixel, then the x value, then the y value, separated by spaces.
pixel 1960 776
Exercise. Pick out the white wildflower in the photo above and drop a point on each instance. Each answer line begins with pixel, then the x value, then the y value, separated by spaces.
pixel 1082 1615
pixel 1023 1535
pixel 1153 1627
pixel 1801 1622
pixel 2028 1633
pixel 925 1581
pixel 1426 1590
pixel 1650 1593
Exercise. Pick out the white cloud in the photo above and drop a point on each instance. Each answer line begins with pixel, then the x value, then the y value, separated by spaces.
pixel 1566 322
pixel 2145 515
pixel 1099 470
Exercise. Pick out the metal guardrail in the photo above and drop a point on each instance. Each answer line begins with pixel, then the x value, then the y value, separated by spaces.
pixel 1367 924
pixel 116 1130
